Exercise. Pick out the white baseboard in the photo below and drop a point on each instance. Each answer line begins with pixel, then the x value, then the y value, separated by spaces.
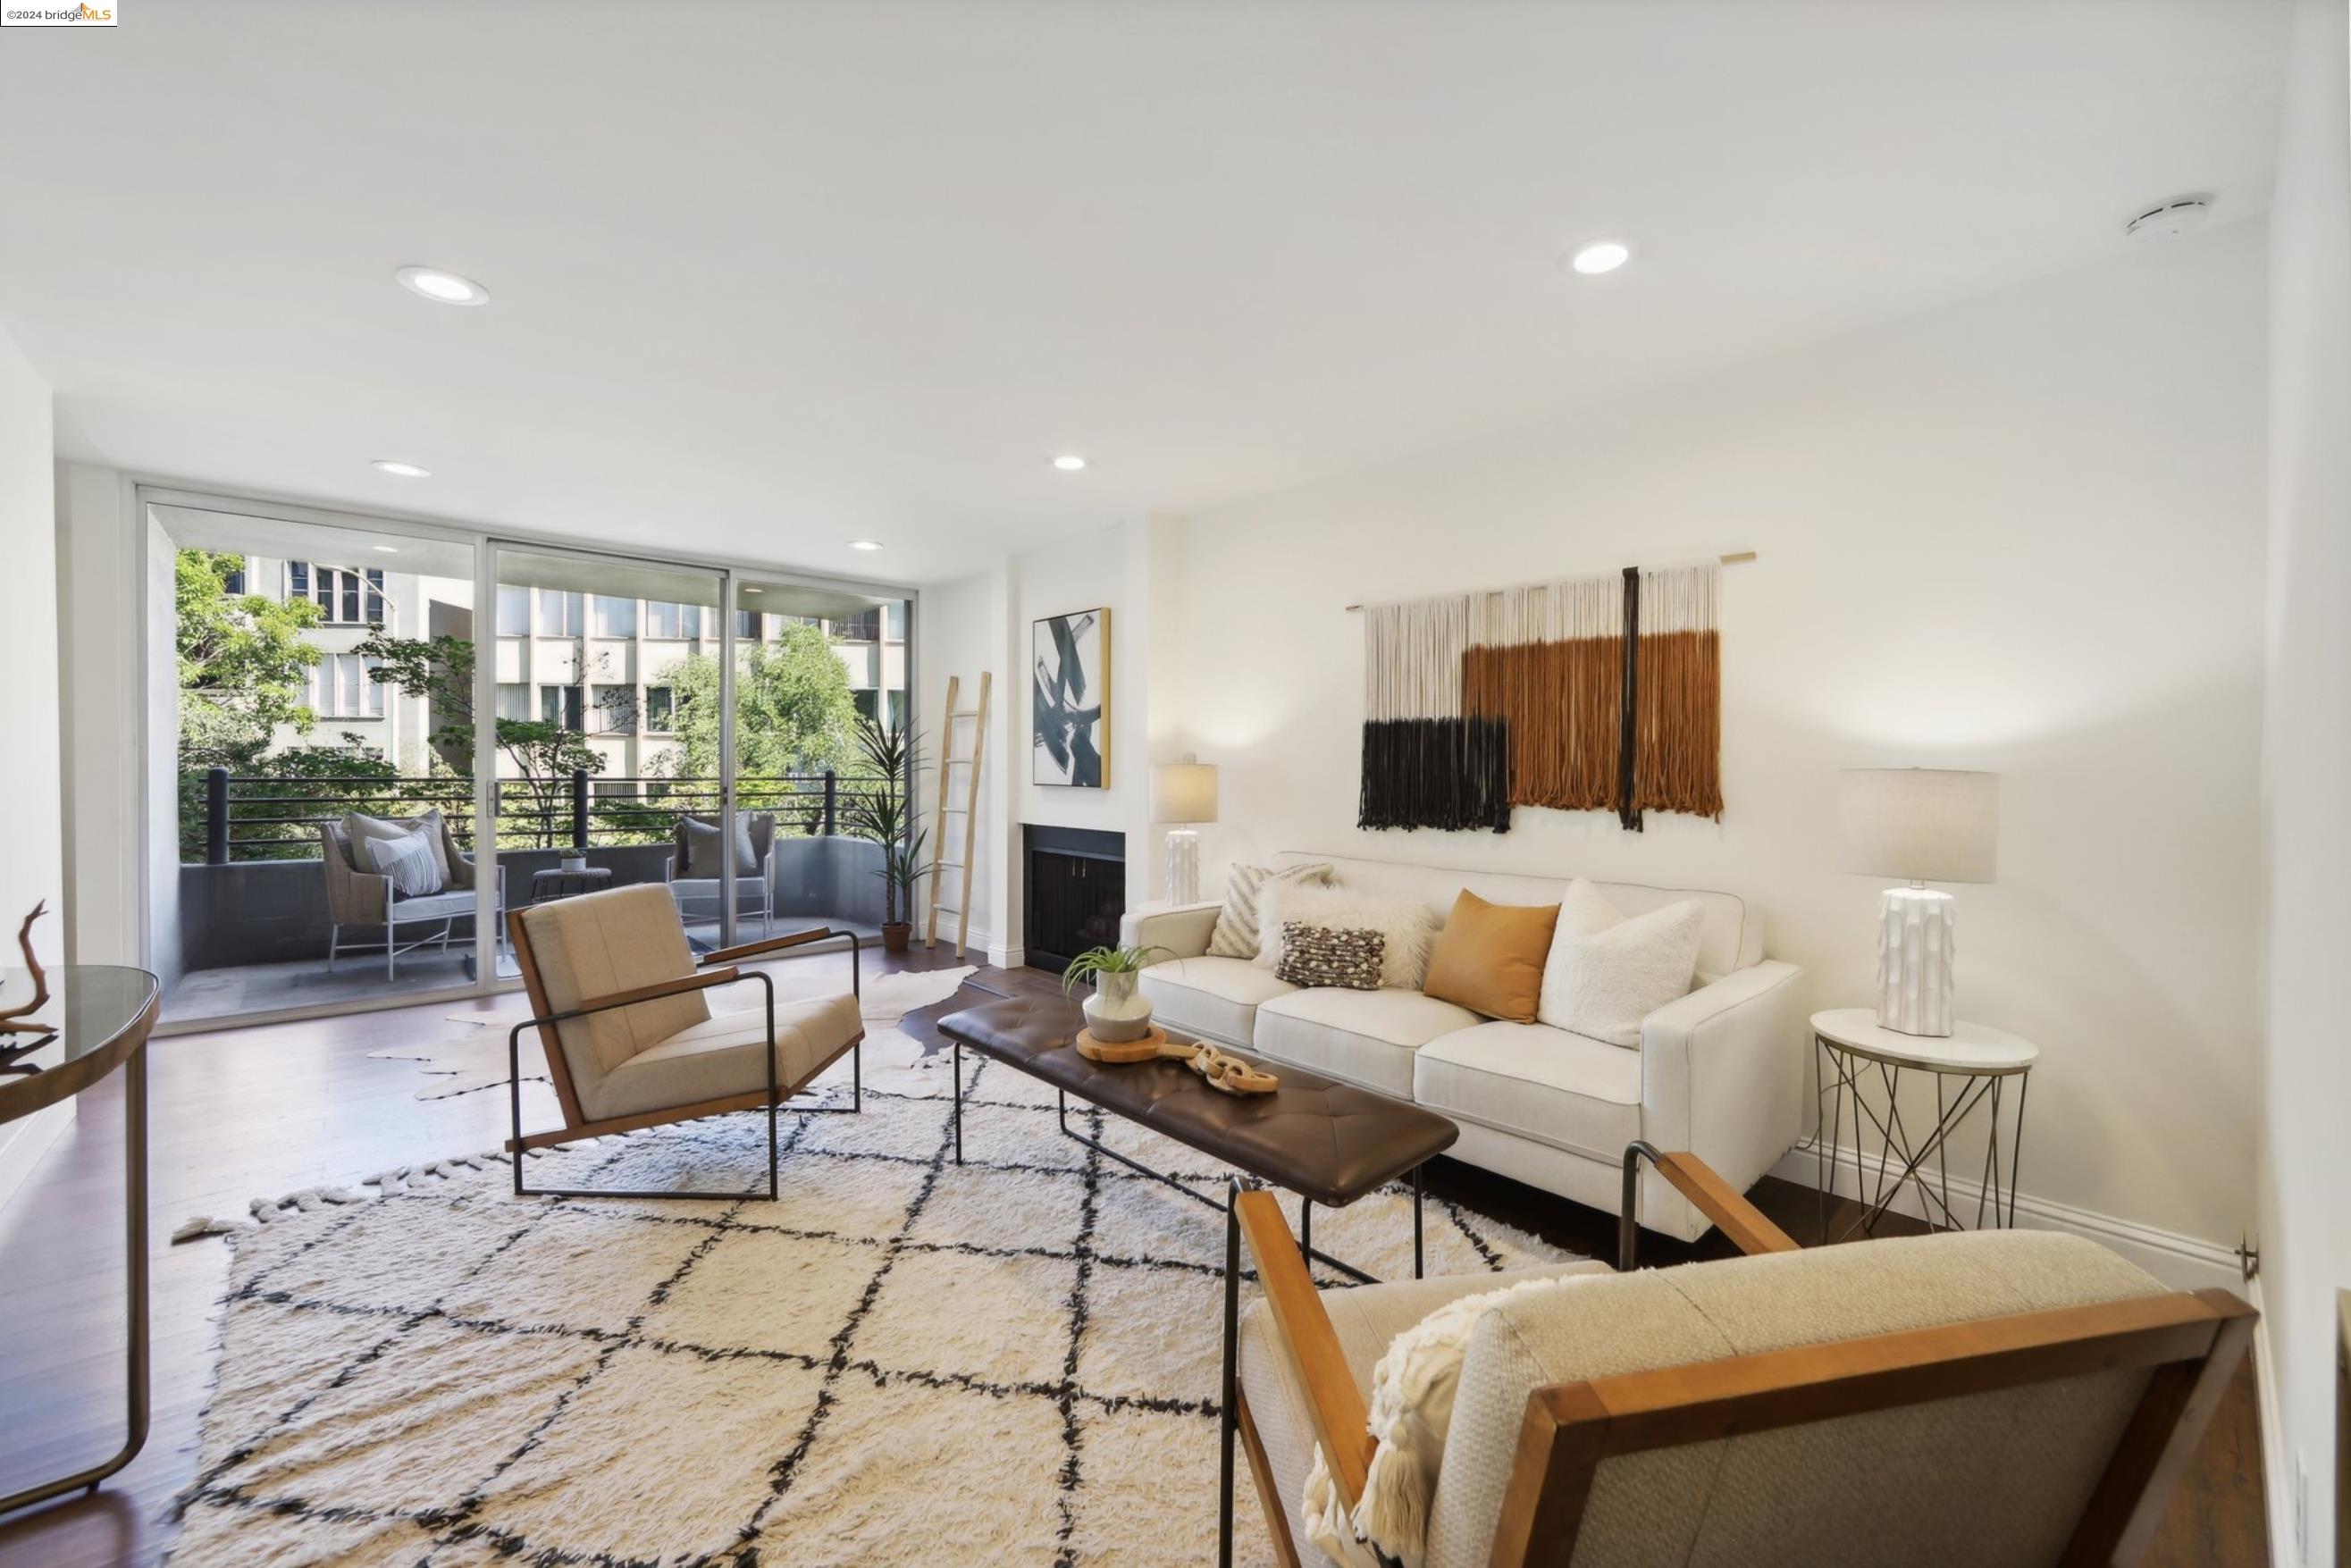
pixel 23 1144
pixel 2277 1467
pixel 1007 957
pixel 2182 1262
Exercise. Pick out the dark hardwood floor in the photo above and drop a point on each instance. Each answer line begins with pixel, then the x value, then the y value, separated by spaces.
pixel 241 1114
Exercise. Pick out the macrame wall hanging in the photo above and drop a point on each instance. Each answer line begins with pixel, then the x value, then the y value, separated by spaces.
pixel 1589 694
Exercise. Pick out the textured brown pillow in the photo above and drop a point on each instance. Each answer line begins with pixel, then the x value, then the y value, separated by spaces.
pixel 1490 957
pixel 1331 955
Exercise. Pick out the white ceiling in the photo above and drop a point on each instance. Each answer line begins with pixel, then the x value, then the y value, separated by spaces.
pixel 770 278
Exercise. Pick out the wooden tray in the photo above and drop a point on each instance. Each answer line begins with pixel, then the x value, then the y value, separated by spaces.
pixel 1123 1053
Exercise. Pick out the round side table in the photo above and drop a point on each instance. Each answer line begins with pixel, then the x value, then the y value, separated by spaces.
pixel 1971 1066
pixel 99 1018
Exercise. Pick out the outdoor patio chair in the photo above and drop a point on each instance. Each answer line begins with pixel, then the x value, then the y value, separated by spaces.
pixel 618 1002
pixel 754 888
pixel 359 896
pixel 1980 1397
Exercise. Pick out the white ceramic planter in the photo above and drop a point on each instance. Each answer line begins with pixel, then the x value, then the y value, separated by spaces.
pixel 1118 1011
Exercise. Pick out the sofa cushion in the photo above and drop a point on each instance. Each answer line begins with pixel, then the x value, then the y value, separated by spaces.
pixel 1565 1090
pixel 1490 956
pixel 1365 1038
pixel 1606 975
pixel 1236 934
pixel 1214 997
pixel 1365 1319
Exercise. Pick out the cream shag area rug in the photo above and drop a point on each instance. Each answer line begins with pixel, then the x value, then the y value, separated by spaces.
pixel 902 1361
pixel 477 1059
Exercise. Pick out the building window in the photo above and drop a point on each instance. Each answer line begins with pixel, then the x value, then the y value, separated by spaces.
pixel 561 614
pixel 893 621
pixel 561 707
pixel 514 700
pixel 897 710
pixel 747 625
pixel 616 617
pixel 679 621
pixel 863 627
pixel 868 701
pixel 233 583
pixel 344 596
pixel 615 712
pixel 340 686
pixel 514 612
pixel 661 707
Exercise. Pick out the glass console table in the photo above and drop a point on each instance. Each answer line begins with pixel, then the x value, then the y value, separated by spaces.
pixel 101 1016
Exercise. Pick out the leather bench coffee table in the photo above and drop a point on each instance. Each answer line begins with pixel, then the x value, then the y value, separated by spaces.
pixel 1328 1142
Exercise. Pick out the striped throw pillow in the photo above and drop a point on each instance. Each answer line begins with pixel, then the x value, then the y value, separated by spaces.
pixel 1236 935
pixel 408 861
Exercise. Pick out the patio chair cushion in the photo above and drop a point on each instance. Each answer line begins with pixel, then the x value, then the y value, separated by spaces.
pixel 407 860
pixel 601 944
pixel 1992 1477
pixel 1365 1318
pixel 719 1057
pixel 359 828
pixel 698 841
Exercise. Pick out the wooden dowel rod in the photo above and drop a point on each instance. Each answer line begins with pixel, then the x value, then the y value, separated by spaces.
pixel 1734 558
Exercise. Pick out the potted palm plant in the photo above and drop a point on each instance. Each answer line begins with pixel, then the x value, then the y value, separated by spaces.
pixel 882 813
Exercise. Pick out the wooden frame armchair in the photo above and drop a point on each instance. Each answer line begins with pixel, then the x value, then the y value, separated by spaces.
pixel 618 999
pixel 2142 1373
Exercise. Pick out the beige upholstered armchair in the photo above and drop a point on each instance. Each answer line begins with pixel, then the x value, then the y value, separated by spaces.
pixel 357 896
pixel 2002 1397
pixel 622 1009
pixel 702 896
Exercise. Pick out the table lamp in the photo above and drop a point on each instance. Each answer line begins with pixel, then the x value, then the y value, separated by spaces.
pixel 1924 824
pixel 1183 792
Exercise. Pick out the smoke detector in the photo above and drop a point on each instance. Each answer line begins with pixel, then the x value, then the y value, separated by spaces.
pixel 2183 216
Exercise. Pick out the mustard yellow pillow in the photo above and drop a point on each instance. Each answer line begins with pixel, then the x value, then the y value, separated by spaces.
pixel 1490 957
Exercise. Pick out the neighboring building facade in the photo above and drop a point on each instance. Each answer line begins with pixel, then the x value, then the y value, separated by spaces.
pixel 588 661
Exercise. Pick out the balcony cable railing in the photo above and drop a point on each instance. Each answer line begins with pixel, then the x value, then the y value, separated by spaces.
pixel 260 817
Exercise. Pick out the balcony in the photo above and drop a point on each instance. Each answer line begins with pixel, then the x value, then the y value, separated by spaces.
pixel 252 899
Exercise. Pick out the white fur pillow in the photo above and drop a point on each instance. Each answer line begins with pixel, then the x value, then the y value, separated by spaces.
pixel 1407 926
pixel 1605 973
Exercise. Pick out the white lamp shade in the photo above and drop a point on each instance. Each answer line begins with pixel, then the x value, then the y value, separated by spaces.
pixel 1183 792
pixel 1922 824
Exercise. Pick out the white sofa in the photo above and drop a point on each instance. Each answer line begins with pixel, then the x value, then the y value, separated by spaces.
pixel 1720 1072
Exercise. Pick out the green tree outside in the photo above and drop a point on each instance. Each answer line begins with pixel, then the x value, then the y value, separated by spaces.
pixel 795 711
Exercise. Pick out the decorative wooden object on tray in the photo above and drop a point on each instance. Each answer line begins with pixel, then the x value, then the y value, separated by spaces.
pixel 13 1019
pixel 1229 1073
pixel 1590 693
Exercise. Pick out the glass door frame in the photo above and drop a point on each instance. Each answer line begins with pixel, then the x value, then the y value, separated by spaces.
pixel 485 542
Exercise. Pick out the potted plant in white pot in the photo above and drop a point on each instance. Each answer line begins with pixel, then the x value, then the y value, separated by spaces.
pixel 879 813
pixel 1116 1013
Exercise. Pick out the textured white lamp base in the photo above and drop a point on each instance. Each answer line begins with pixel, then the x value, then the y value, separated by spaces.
pixel 1183 866
pixel 1914 960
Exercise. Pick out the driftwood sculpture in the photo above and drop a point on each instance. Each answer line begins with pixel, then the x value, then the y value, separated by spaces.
pixel 14 1020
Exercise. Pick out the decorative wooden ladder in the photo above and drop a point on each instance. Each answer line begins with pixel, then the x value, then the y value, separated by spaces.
pixel 968 810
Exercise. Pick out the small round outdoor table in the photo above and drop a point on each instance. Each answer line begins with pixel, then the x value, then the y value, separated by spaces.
pixel 101 1016
pixel 1971 1066
pixel 547 886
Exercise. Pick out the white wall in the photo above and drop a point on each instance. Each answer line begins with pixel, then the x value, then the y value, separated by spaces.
pixel 2022 533
pixel 2306 1166
pixel 960 631
pixel 97 572
pixel 33 869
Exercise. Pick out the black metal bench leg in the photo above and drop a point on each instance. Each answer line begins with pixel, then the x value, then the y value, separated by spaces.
pixel 1229 1406
pixel 958 1101
pixel 1416 1223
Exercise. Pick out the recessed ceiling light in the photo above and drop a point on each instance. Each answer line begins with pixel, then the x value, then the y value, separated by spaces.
pixel 748 588
pixel 405 470
pixel 387 549
pixel 1069 463
pixel 865 544
pixel 1601 256
pixel 442 287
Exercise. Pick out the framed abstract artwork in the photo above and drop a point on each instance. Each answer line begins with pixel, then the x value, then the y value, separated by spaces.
pixel 1069 670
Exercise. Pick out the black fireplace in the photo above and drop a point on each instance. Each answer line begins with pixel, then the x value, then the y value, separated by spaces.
pixel 1076 890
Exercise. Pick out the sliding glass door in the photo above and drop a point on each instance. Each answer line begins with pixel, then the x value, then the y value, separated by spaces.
pixel 606 756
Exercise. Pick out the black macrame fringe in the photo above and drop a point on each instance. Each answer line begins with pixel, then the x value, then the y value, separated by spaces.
pixel 1452 773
